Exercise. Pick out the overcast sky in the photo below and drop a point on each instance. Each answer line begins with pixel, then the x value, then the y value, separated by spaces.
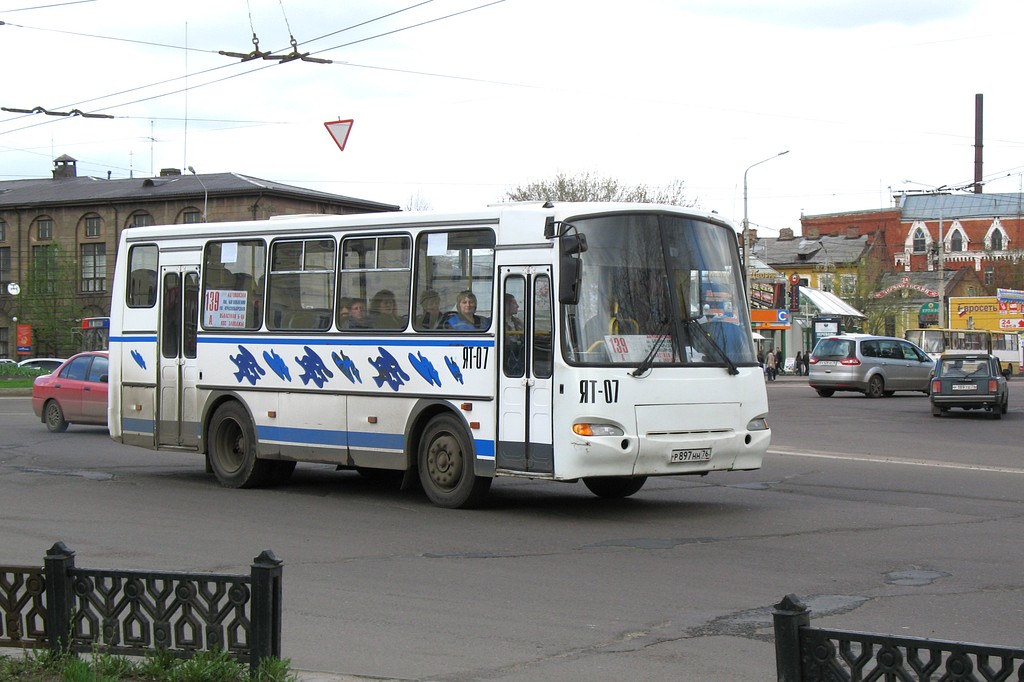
pixel 456 101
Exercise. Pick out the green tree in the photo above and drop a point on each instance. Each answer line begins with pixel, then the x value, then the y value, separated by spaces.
pixel 49 304
pixel 590 187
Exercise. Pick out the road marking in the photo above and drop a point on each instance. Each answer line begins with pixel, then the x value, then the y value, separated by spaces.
pixel 895 460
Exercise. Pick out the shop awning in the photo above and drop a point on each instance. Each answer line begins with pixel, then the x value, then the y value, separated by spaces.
pixel 828 303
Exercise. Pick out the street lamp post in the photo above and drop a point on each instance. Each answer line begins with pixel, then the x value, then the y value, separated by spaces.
pixel 202 184
pixel 746 222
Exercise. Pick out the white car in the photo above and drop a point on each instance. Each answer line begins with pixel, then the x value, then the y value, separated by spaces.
pixel 43 364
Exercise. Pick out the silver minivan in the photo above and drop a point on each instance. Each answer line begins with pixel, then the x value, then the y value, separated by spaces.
pixel 873 365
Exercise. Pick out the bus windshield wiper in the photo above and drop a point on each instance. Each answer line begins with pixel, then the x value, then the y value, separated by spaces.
pixel 648 362
pixel 691 323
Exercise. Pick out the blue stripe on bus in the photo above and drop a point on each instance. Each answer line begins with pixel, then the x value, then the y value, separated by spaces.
pixel 146 426
pixel 321 341
pixel 346 341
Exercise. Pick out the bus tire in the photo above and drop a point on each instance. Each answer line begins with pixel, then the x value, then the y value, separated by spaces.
pixel 445 462
pixel 233 449
pixel 614 487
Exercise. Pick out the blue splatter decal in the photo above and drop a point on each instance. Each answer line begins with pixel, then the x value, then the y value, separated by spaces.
pixel 277 364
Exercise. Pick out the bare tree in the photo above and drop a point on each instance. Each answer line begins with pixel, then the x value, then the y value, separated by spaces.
pixel 590 187
pixel 416 202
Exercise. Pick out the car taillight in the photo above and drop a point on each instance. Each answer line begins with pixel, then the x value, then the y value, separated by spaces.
pixel 993 385
pixel 813 360
pixel 849 361
pixel 936 386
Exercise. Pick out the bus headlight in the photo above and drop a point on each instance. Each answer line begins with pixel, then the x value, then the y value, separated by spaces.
pixel 758 424
pixel 596 430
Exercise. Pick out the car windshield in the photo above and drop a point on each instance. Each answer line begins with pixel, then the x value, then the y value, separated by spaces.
pixel 658 289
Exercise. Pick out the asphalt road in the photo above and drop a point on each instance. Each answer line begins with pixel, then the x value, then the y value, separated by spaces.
pixel 881 517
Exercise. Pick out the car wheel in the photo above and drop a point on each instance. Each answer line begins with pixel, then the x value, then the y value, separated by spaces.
pixel 936 411
pixel 55 421
pixel 825 392
pixel 1006 405
pixel 876 387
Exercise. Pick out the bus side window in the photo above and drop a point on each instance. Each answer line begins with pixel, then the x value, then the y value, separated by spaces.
pixel 142 267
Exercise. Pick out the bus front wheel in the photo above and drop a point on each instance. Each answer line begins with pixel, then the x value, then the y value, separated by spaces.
pixel 614 487
pixel 233 449
pixel 445 462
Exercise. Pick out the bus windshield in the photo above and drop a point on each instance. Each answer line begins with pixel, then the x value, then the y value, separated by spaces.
pixel 658 290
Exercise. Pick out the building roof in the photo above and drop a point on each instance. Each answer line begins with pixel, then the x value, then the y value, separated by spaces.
pixel 961 205
pixel 828 250
pixel 86 190
pixel 829 304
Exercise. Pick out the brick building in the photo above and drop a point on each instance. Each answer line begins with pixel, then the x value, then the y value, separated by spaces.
pixel 84 217
pixel 982 248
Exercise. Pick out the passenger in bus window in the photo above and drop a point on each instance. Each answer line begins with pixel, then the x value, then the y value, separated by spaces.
pixel 430 303
pixel 357 317
pixel 382 311
pixel 465 317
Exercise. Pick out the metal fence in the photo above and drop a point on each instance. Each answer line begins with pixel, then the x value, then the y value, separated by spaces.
pixel 807 654
pixel 131 613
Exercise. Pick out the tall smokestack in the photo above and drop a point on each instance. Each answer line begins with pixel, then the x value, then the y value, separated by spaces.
pixel 977 142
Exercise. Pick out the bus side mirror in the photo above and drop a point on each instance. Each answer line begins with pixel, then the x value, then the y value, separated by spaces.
pixel 570 268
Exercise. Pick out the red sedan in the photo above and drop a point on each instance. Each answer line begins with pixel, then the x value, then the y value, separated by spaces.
pixel 76 392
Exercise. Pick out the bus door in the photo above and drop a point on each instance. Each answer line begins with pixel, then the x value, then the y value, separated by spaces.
pixel 177 419
pixel 524 373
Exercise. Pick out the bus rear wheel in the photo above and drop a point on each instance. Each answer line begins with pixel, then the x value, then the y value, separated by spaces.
pixel 233 449
pixel 445 462
pixel 614 487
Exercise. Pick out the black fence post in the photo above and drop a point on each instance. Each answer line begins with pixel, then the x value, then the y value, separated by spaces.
pixel 265 610
pixel 789 616
pixel 59 598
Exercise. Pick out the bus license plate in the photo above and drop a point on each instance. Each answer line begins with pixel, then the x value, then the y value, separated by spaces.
pixel 698 455
pixel 965 387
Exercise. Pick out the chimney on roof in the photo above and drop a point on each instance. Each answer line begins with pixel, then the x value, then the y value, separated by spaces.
pixel 169 172
pixel 852 232
pixel 64 167
pixel 786 234
pixel 812 233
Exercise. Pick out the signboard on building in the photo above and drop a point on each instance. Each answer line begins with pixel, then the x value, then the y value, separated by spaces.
pixel 24 333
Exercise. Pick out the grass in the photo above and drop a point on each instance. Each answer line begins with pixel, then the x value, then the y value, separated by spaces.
pixel 12 376
pixel 204 666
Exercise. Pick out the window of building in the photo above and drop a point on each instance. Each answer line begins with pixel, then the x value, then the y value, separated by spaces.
pixel 373 289
pixel 190 217
pixel 997 240
pixel 44 229
pixel 5 341
pixel 3 231
pixel 456 266
pixel 233 284
pixel 141 219
pixel 142 264
pixel 920 241
pixel 956 241
pixel 301 288
pixel 44 269
pixel 5 267
pixel 92 226
pixel 94 268
pixel 990 275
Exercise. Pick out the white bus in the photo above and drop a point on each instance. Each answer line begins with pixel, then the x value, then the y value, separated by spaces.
pixel 609 343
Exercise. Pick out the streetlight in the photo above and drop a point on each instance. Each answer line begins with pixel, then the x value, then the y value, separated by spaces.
pixel 746 223
pixel 202 184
